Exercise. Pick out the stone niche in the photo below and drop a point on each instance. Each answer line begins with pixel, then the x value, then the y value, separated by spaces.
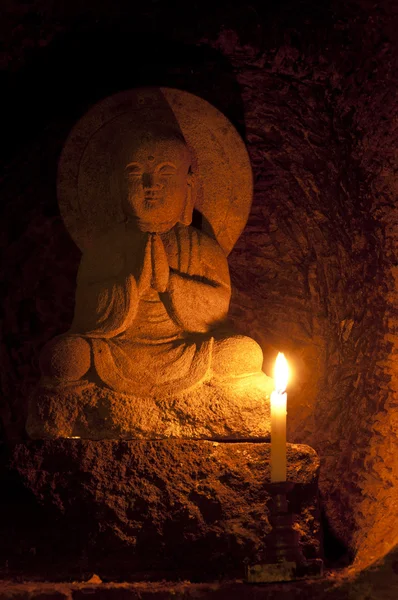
pixel 312 92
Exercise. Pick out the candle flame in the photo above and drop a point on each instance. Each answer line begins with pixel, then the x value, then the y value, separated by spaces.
pixel 281 373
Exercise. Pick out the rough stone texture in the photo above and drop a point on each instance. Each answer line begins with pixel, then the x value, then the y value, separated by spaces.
pixel 321 248
pixel 133 510
pixel 314 85
pixel 223 411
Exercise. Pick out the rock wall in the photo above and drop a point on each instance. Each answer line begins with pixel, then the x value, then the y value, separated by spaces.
pixel 312 88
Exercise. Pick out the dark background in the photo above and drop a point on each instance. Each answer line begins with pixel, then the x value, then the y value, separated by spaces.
pixel 311 86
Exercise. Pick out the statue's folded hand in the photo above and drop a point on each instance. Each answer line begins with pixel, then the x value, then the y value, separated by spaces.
pixel 160 265
pixel 154 272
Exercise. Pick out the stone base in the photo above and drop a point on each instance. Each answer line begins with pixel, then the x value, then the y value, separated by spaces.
pixel 137 510
pixel 284 571
pixel 224 411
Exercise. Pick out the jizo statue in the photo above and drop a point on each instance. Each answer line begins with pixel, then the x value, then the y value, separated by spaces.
pixel 150 352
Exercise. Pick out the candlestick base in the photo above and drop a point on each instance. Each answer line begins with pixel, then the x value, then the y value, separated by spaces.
pixel 284 571
pixel 282 559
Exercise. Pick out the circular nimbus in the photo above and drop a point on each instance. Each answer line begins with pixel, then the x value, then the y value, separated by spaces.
pixel 91 180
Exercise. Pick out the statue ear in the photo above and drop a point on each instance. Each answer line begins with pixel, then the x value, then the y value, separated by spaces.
pixel 186 217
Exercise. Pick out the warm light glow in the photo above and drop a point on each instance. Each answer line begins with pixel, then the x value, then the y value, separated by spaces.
pixel 281 373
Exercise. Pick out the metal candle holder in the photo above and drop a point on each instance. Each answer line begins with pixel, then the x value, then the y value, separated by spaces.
pixel 282 559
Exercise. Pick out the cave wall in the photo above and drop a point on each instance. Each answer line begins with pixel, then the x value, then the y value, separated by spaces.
pixel 312 89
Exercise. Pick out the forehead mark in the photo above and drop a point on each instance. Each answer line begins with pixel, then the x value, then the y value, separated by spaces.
pixel 151 158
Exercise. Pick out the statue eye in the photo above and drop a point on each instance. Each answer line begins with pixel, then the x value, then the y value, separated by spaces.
pixel 167 171
pixel 134 171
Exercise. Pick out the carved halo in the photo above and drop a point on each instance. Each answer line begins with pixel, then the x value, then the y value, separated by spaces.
pixel 89 184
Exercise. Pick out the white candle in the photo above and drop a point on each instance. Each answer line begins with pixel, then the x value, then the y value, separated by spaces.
pixel 278 420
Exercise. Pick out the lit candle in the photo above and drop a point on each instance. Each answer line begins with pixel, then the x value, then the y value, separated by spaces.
pixel 278 420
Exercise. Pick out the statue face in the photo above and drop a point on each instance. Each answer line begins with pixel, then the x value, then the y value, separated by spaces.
pixel 158 176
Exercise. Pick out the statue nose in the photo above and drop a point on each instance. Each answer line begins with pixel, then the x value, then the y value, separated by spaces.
pixel 149 182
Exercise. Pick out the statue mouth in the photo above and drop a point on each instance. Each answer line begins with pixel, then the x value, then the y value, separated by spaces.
pixel 152 200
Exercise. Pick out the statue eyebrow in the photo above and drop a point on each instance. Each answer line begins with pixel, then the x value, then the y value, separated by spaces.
pixel 166 164
pixel 133 164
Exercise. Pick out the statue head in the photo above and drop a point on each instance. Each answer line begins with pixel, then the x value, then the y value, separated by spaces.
pixel 99 172
pixel 159 178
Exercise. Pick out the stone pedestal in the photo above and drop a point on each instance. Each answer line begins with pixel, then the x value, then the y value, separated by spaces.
pixel 222 411
pixel 136 510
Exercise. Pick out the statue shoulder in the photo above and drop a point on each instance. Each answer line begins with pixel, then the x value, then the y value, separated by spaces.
pixel 210 255
pixel 204 250
pixel 209 247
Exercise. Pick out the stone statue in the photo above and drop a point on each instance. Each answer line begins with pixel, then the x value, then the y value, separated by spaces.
pixel 150 352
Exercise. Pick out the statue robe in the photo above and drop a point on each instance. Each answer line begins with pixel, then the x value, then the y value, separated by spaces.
pixel 148 305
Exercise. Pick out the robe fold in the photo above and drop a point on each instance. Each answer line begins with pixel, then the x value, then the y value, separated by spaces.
pixel 147 304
